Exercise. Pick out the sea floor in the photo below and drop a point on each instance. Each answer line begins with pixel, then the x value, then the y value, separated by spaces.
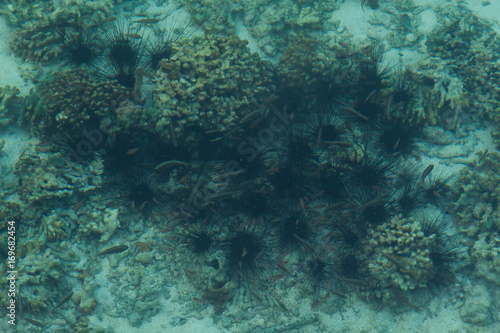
pixel 158 275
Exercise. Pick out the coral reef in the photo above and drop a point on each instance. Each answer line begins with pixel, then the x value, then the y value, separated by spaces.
pixel 266 21
pixel 97 220
pixel 36 41
pixel 71 100
pixel 303 57
pixel 478 308
pixel 39 35
pixel 213 80
pixel 476 195
pixel 46 174
pixel 11 105
pixel 486 254
pixel 398 257
pixel 469 47
pixel 57 11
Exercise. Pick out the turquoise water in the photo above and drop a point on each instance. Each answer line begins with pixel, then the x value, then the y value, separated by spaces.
pixel 295 166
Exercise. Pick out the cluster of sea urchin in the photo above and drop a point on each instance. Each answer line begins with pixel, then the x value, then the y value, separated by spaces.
pixel 334 172
pixel 297 188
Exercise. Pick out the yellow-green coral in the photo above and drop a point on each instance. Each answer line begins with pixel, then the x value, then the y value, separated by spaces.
pixel 398 255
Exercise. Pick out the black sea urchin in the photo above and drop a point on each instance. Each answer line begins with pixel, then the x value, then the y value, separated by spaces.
pixel 245 253
pixel 295 230
pixel 81 48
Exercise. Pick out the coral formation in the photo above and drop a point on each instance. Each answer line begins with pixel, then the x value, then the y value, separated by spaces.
pixel 266 21
pixel 486 254
pixel 11 105
pixel 73 101
pixel 37 41
pixel 311 205
pixel 213 80
pixel 476 195
pixel 57 11
pixel 39 36
pixel 470 49
pixel 46 174
pixel 398 257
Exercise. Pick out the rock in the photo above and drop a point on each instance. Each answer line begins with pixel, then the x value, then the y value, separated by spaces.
pixel 477 307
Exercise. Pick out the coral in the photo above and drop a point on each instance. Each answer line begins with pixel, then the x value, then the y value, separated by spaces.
pixel 476 195
pixel 469 49
pixel 304 57
pixel 36 41
pixel 398 257
pixel 210 80
pixel 266 21
pixel 46 173
pixel 10 105
pixel 54 227
pixel 486 254
pixel 478 308
pixel 71 100
pixel 97 219
pixel 41 275
pixel 57 11
pixel 136 284
pixel 9 211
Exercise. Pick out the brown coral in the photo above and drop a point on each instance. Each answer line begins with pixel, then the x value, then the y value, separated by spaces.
pixel 72 100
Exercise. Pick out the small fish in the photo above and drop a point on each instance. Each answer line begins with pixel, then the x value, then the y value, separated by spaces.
pixel 147 20
pixel 406 22
pixel 354 282
pixel 427 171
pixel 134 36
pixel 114 249
pixel 196 299
pixel 276 278
pixel 77 205
pixel 395 260
pixel 342 144
pixel 280 303
pixel 318 302
pixel 171 164
pixel 132 151
pixel 61 302
pixel 257 297
pixel 356 113
pixel 396 145
pixel 34 322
